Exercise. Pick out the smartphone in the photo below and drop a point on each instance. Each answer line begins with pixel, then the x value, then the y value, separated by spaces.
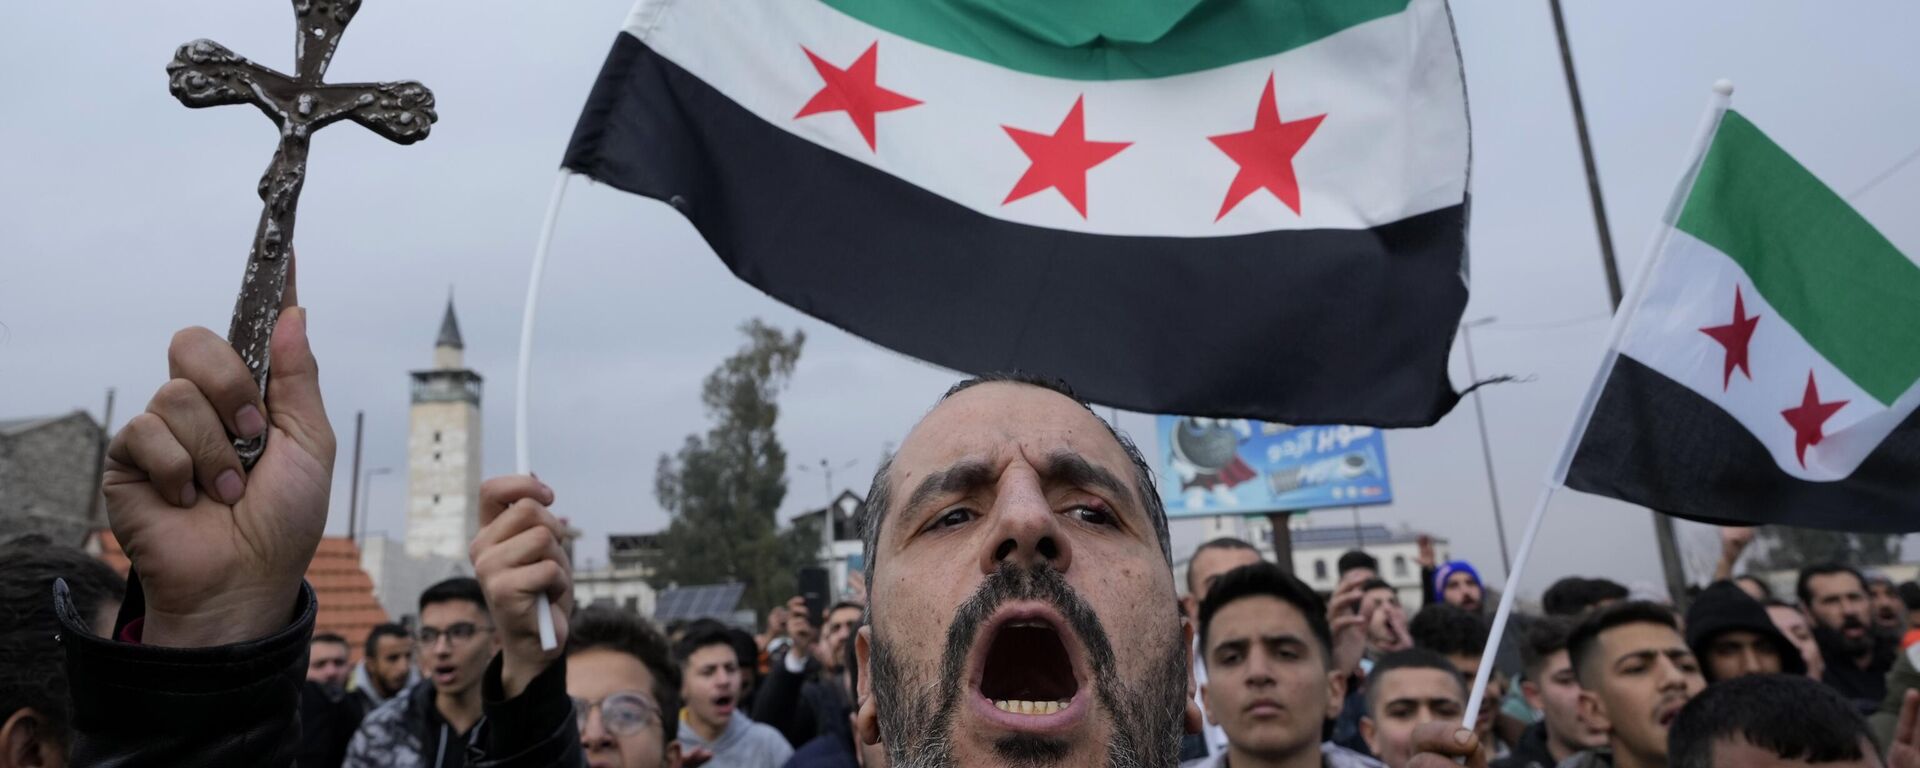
pixel 815 586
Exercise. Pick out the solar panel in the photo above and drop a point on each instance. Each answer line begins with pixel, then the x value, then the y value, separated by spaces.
pixel 706 601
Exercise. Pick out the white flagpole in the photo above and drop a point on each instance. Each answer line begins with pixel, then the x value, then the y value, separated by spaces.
pixel 1716 106
pixel 521 463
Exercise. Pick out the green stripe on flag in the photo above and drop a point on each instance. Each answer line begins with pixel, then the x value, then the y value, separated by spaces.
pixel 1823 267
pixel 1115 39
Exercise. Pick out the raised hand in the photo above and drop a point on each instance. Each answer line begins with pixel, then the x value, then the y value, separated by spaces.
pixel 1349 625
pixel 800 627
pixel 517 557
pixel 221 551
pixel 1442 744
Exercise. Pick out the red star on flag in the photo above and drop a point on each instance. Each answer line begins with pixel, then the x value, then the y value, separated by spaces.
pixel 1808 418
pixel 1265 154
pixel 1061 161
pixel 854 90
pixel 1734 337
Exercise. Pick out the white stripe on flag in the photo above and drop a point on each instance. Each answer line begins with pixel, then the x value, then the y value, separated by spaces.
pixel 1393 143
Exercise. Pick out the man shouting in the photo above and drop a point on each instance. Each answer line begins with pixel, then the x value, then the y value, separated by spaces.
pixel 1022 606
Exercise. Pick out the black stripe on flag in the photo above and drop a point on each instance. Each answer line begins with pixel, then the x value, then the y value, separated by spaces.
pixel 1301 327
pixel 1655 443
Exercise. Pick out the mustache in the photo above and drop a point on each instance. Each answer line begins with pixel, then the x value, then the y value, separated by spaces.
pixel 1853 622
pixel 917 718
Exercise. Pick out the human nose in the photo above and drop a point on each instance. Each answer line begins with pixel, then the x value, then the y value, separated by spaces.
pixel 1026 532
pixel 593 730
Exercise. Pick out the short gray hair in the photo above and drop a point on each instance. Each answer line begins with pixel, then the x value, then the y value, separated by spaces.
pixel 880 494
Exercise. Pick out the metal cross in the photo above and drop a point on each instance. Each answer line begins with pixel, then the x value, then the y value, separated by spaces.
pixel 205 74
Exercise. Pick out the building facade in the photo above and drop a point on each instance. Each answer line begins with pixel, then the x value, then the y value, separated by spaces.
pixel 1317 551
pixel 49 477
pixel 623 581
pixel 841 550
pixel 443 451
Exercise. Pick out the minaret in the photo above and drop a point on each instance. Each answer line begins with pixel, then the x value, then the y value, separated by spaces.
pixel 443 450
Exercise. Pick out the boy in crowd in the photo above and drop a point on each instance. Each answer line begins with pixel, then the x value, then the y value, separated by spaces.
pixel 386 666
pixel 1271 682
pixel 710 688
pixel 1635 673
pixel 1732 636
pixel 1777 720
pixel 433 723
pixel 1405 689
pixel 1551 688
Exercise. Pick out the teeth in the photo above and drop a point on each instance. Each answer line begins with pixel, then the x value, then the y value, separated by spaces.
pixel 1023 707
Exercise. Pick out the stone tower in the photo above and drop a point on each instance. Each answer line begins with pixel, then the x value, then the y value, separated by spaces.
pixel 443 451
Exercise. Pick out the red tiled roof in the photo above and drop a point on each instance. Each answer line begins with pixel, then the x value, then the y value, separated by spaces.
pixel 345 592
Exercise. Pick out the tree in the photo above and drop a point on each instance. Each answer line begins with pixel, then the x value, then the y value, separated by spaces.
pixel 1783 547
pixel 721 489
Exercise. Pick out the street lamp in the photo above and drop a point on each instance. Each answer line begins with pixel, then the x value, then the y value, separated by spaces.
pixel 366 489
pixel 1486 447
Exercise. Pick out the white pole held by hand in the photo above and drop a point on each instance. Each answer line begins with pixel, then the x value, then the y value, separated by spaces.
pixel 521 463
pixel 1716 107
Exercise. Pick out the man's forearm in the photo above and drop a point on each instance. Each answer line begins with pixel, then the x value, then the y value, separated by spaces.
pixel 138 704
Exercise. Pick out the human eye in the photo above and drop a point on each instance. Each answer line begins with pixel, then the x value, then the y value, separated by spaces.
pixel 1093 514
pixel 955 517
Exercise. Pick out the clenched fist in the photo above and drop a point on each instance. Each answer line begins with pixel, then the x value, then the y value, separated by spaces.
pixel 221 551
pixel 517 557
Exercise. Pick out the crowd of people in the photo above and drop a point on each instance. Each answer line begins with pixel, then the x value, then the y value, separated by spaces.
pixel 1022 610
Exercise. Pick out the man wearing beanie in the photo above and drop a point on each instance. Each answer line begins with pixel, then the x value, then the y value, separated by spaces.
pixel 1732 636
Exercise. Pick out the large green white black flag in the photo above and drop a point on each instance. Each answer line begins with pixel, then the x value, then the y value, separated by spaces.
pixel 1767 373
pixel 1250 208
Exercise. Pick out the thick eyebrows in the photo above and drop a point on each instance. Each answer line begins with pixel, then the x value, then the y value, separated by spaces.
pixel 962 477
pixel 1069 468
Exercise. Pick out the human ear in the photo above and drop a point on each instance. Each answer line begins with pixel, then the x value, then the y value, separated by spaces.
pixel 1593 712
pixel 24 744
pixel 866 720
pixel 1336 693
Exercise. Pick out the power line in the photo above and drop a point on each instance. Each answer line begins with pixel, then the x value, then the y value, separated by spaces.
pixel 1886 174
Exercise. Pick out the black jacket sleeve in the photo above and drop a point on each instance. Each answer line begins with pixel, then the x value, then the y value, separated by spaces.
pixel 533 730
pixel 137 704
pixel 779 703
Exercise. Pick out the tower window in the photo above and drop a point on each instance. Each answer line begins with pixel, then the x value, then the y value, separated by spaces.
pixel 436 437
pixel 1399 565
pixel 436 455
pixel 436 498
pixel 1320 570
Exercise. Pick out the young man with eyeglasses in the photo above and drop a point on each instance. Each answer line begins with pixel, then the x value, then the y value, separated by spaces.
pixel 431 724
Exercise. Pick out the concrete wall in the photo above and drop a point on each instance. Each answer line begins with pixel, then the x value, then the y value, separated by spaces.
pixel 47 478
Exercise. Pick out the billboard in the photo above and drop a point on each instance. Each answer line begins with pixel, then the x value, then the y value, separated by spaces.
pixel 1235 466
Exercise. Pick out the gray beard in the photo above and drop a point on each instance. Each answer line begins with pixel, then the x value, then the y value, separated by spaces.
pixel 917 715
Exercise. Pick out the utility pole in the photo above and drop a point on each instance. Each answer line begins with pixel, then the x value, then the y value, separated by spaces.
pixel 100 459
pixel 353 494
pixel 826 516
pixel 1662 525
pixel 1486 446
pixel 365 485
pixel 1282 540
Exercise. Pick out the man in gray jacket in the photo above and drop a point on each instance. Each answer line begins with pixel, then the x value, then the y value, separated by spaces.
pixel 710 688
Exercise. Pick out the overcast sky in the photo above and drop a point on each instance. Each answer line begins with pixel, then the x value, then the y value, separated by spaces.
pixel 124 216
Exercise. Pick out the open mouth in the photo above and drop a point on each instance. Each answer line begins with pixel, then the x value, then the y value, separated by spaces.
pixel 723 702
pixel 443 672
pixel 1028 675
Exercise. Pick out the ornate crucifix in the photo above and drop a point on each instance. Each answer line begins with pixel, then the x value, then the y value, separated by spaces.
pixel 205 74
